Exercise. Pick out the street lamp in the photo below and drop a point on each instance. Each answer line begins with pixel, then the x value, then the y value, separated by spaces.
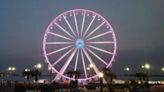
pixel 27 70
pixel 38 66
pixel 88 68
pixel 91 65
pixel 147 66
pixel 162 69
pixel 37 72
pixel 127 69
pixel 101 75
pixel 11 69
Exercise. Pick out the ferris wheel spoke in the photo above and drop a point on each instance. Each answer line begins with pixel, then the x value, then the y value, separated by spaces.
pixel 63 30
pixel 58 76
pixel 95 29
pixel 59 43
pixel 76 23
pixel 60 36
pixel 84 66
pixel 89 25
pixel 97 36
pixel 62 57
pixel 82 27
pixel 97 56
pixel 91 62
pixel 102 42
pixel 77 57
pixel 69 24
pixel 96 48
pixel 53 52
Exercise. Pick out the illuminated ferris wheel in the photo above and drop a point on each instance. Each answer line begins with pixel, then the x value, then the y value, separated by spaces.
pixel 76 39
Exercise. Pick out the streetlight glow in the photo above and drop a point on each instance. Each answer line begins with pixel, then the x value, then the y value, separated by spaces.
pixel 163 69
pixel 13 68
pixel 27 70
pixel 38 66
pixel 147 66
pixel 91 65
pixel 49 68
pixel 9 69
pixel 88 68
pixel 127 69
pixel 101 75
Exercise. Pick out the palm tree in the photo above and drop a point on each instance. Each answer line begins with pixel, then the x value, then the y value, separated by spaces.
pixel 143 77
pixel 108 75
pixel 27 74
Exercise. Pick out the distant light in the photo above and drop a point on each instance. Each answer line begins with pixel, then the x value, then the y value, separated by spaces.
pixel 127 69
pixel 49 68
pixel 147 66
pixel 91 65
pixel 27 70
pixel 101 75
pixel 163 69
pixel 38 66
pixel 10 68
pixel 142 66
pixel 13 68
pixel 88 68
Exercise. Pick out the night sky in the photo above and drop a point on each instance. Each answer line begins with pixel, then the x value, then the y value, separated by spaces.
pixel 138 24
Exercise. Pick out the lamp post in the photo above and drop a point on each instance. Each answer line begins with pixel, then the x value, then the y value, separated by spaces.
pixel 37 68
pixel 27 73
pixel 146 68
pixel 11 70
pixel 50 71
pixel 101 75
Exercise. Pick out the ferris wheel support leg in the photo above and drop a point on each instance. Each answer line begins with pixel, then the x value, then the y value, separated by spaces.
pixel 62 70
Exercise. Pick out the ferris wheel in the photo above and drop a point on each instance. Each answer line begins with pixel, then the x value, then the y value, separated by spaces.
pixel 78 39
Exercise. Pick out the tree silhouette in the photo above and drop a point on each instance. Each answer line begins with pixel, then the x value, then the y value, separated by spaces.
pixel 108 76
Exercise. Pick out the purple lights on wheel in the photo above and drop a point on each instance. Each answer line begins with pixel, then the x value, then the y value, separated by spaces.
pixel 76 39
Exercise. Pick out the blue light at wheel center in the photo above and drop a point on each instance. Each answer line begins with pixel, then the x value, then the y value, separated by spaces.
pixel 79 43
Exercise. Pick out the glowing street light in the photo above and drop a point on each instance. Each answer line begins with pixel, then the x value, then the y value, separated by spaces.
pixel 91 65
pixel 147 66
pixel 88 68
pixel 127 69
pixel 11 68
pixel 162 69
pixel 27 70
pixel 38 66
pixel 49 68
pixel 101 75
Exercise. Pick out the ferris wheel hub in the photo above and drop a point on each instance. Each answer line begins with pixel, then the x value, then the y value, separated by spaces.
pixel 79 43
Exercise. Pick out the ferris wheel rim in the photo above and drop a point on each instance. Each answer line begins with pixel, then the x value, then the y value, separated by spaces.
pixel 55 19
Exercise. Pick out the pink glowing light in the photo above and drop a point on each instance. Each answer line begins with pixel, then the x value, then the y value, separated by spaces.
pixel 77 38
